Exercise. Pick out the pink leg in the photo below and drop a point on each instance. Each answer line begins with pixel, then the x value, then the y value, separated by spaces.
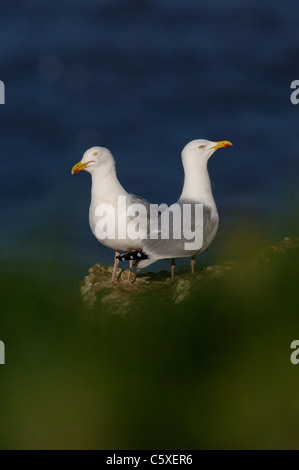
pixel 114 282
pixel 192 264
pixel 172 269
pixel 130 270
pixel 116 261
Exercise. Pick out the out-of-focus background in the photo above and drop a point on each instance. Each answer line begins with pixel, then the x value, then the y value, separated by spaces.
pixel 144 77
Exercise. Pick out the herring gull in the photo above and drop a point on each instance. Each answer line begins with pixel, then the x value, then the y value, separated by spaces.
pixel 107 191
pixel 196 190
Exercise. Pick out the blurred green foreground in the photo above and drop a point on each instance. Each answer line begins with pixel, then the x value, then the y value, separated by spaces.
pixel 212 372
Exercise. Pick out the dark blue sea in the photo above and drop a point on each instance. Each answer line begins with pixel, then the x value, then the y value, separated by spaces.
pixel 144 77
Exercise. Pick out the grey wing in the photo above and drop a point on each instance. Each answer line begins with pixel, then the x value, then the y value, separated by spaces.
pixel 187 234
pixel 153 211
pixel 138 200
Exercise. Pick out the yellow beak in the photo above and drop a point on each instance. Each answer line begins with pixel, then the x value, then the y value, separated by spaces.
pixel 221 143
pixel 78 167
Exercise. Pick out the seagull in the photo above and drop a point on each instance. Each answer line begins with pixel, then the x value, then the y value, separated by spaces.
pixel 106 191
pixel 196 190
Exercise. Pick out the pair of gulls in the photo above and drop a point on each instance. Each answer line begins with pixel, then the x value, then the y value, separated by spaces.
pixel 143 251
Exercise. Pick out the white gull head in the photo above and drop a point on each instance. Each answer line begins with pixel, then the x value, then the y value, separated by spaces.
pixel 195 156
pixel 201 149
pixel 96 159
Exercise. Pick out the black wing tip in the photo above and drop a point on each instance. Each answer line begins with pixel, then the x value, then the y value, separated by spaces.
pixel 137 255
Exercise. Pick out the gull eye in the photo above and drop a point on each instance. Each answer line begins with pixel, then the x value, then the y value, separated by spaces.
pixel 96 153
pixel 201 147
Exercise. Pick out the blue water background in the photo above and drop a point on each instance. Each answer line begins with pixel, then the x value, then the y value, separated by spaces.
pixel 143 77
